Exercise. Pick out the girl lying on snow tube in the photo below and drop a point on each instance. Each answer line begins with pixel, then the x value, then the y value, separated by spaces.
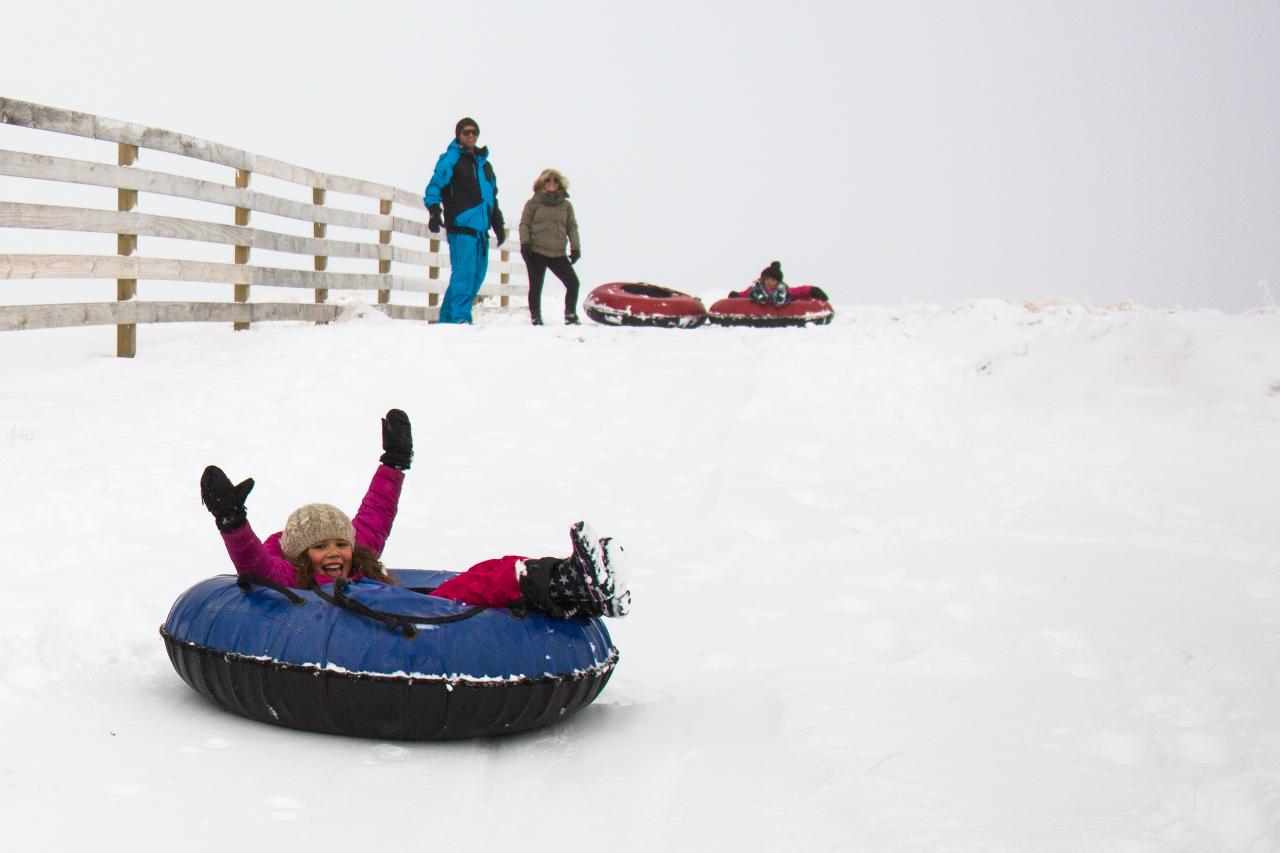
pixel 769 289
pixel 320 544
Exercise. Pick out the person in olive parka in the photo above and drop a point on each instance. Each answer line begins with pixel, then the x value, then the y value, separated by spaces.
pixel 546 224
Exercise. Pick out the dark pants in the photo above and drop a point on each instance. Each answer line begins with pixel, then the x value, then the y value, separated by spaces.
pixel 538 266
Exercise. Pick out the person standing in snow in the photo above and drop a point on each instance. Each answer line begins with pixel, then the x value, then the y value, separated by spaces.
pixel 464 184
pixel 546 224
pixel 320 544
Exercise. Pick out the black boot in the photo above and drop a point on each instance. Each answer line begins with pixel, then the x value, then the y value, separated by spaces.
pixel 535 587
pixel 571 319
pixel 591 579
pixel 589 582
pixel 615 563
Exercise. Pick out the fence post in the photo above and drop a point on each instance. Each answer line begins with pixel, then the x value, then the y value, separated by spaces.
pixel 384 239
pixel 126 245
pixel 242 252
pixel 433 272
pixel 319 230
pixel 505 278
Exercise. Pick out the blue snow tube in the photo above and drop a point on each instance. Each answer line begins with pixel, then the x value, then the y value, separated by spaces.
pixel 380 661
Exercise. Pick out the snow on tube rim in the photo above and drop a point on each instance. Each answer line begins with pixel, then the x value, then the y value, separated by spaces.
pixel 626 303
pixel 317 668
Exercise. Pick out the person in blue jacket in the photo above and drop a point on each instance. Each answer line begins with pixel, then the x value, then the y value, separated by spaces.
pixel 463 181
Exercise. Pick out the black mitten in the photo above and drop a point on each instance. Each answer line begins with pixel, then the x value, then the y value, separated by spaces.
pixel 575 256
pixel 434 223
pixel 500 233
pixel 397 441
pixel 223 500
pixel 819 293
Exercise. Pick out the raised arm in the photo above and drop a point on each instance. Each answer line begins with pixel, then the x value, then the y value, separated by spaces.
pixel 247 552
pixel 378 509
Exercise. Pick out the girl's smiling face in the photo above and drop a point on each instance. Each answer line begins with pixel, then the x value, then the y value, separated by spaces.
pixel 330 558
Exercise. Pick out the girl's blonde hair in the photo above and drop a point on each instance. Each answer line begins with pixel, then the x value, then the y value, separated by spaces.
pixel 551 173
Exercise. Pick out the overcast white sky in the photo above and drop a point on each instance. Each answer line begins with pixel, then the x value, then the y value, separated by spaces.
pixel 892 152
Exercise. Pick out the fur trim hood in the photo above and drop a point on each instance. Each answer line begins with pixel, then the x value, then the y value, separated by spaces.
pixel 551 173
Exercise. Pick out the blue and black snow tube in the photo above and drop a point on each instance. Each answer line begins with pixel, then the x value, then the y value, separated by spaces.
pixel 380 661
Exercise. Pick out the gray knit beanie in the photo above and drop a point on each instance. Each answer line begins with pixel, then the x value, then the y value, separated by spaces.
pixel 314 523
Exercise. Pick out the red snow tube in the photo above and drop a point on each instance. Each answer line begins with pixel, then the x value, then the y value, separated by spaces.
pixel 626 303
pixel 741 311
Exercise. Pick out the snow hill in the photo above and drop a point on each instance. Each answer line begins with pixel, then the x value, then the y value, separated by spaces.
pixel 987 577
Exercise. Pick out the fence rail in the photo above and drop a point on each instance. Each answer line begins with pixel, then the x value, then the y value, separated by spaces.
pixel 127 268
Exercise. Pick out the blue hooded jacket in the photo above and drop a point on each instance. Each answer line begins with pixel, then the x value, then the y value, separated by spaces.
pixel 465 184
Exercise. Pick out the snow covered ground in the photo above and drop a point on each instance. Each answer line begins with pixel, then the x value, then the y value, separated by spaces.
pixel 986 577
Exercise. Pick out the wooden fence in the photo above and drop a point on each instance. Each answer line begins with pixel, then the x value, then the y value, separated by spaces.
pixel 127 267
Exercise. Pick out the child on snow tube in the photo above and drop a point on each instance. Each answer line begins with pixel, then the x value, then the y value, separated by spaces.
pixel 769 289
pixel 320 543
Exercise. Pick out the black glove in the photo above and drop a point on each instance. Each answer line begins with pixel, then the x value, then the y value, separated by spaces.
pixel 574 255
pixel 819 293
pixel 224 501
pixel 397 441
pixel 500 233
pixel 435 223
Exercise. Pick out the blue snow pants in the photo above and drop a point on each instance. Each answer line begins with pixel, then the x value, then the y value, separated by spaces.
pixel 469 261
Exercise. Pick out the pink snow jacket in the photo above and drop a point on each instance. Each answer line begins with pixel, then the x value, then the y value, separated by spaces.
pixel 250 555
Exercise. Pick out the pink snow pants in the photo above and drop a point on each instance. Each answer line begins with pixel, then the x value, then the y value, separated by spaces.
pixel 492 583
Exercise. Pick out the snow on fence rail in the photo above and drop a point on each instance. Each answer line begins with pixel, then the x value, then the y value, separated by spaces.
pixel 126 267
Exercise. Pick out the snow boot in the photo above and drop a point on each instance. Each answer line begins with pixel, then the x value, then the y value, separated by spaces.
pixel 780 295
pixel 758 294
pixel 535 587
pixel 586 581
pixel 615 564
pixel 589 582
pixel 571 319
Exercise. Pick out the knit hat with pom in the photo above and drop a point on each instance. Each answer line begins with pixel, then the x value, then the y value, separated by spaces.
pixel 314 523
pixel 774 271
